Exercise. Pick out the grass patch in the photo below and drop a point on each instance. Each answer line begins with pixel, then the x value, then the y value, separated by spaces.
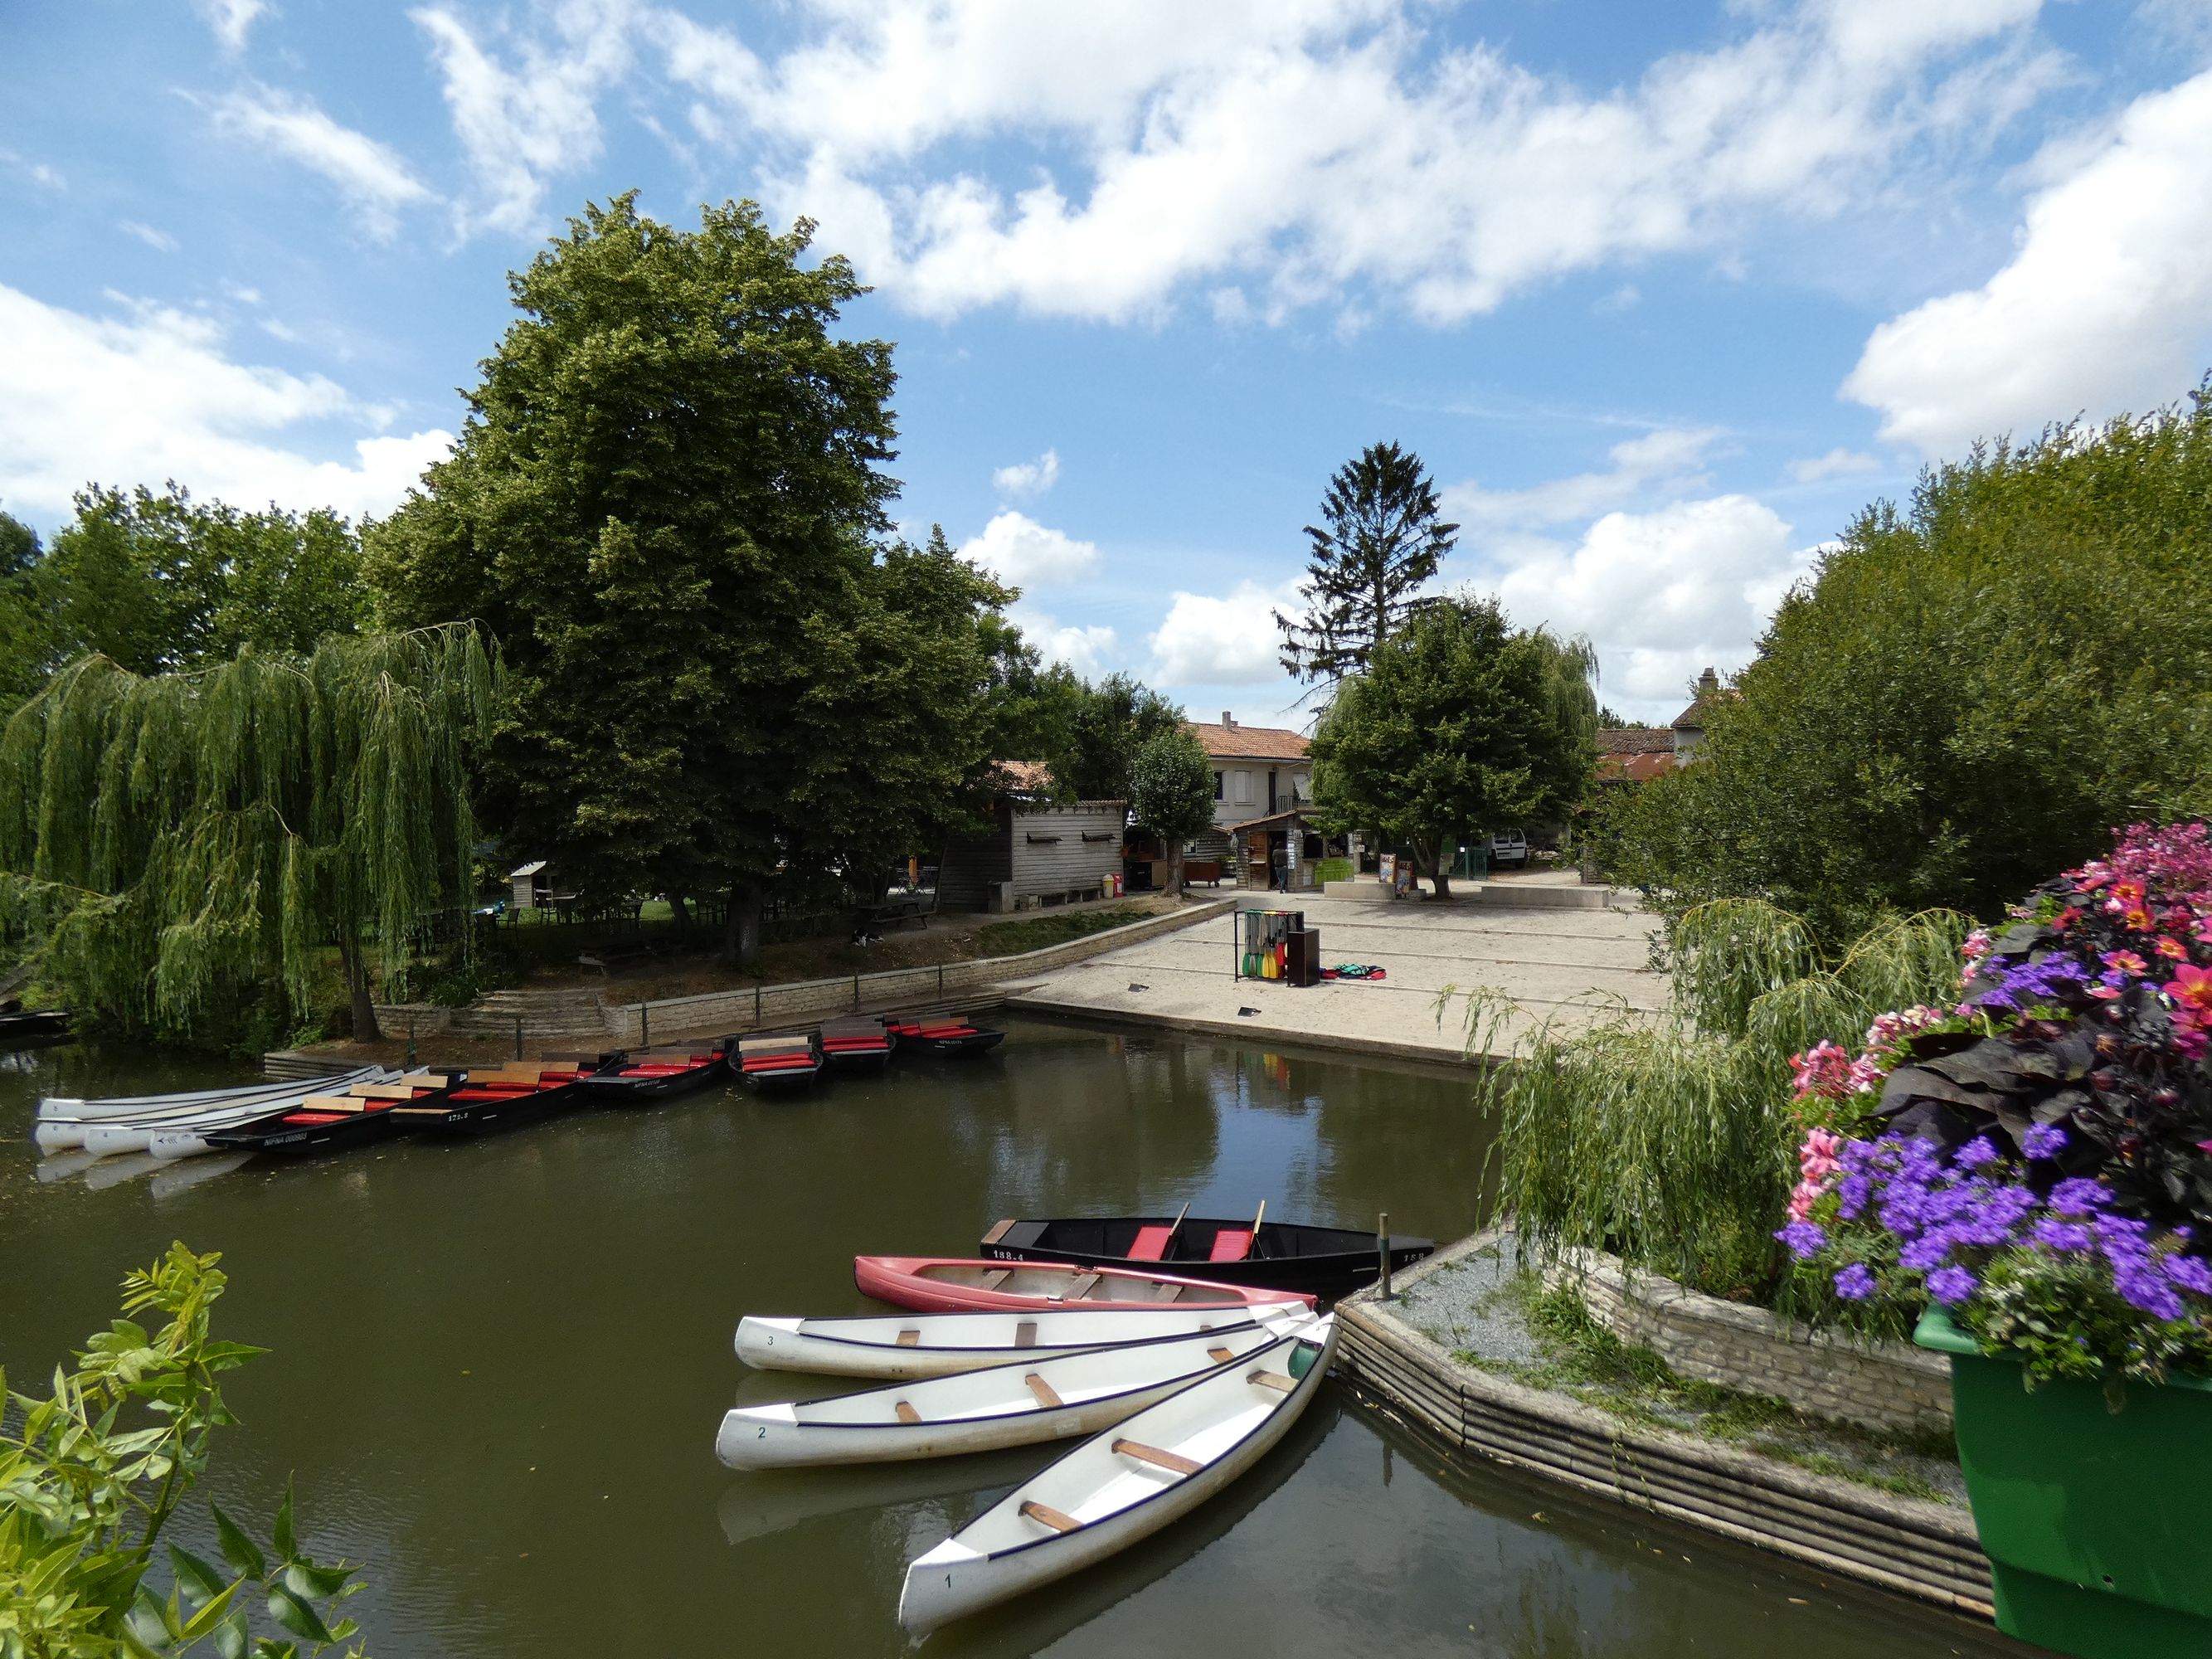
pixel 1586 1361
pixel 1008 938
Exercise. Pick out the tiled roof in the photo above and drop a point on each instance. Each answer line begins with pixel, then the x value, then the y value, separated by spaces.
pixel 1032 777
pixel 1635 768
pixel 1242 742
pixel 1636 741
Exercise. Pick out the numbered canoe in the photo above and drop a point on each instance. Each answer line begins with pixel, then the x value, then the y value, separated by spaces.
pixel 1123 1483
pixel 64 1123
pixel 1016 1405
pixel 904 1346
pixel 965 1284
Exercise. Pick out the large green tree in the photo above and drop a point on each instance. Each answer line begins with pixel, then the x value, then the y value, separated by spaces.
pixel 154 582
pixel 665 506
pixel 27 627
pixel 1111 721
pixel 178 847
pixel 1379 539
pixel 1966 695
pixel 1462 724
pixel 1171 793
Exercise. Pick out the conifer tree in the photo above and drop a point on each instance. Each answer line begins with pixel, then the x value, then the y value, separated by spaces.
pixel 1377 542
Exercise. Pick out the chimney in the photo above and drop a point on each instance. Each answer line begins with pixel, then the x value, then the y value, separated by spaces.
pixel 1229 720
pixel 1708 683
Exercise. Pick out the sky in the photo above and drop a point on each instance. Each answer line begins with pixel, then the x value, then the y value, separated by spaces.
pixel 1662 294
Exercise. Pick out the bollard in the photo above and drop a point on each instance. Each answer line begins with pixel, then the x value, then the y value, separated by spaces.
pixel 517 1036
pixel 757 1005
pixel 856 994
pixel 1382 1249
pixel 940 979
pixel 645 1025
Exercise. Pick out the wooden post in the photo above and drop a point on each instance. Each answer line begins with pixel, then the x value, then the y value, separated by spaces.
pixel 1382 1249
pixel 856 994
pixel 940 979
pixel 756 1014
pixel 645 1025
pixel 517 1036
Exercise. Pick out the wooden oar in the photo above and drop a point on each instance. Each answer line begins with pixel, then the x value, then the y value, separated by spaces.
pixel 1168 1243
pixel 1256 1220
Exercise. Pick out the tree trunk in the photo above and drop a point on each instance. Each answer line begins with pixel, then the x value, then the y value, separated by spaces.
pixel 1175 870
pixel 741 932
pixel 365 1028
pixel 1439 870
pixel 680 912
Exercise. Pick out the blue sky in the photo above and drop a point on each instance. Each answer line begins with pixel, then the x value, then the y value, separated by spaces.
pixel 1662 294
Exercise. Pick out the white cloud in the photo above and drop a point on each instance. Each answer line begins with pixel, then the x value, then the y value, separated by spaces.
pixel 160 240
pixel 1015 548
pixel 1233 640
pixel 1275 153
pixel 2106 306
pixel 231 20
pixel 1662 594
pixel 1670 457
pixel 1089 650
pixel 1837 463
pixel 1028 478
pixel 520 125
pixel 37 172
pixel 152 395
pixel 371 177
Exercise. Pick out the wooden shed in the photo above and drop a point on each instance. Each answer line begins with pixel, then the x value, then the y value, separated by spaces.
pixel 1035 850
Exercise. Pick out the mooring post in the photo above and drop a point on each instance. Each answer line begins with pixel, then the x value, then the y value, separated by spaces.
pixel 940 979
pixel 757 1017
pixel 1382 1249
pixel 856 994
pixel 517 1036
pixel 645 1025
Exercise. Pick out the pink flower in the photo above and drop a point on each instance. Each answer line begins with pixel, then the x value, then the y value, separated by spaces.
pixel 2104 993
pixel 1802 1197
pixel 2126 961
pixel 1825 1070
pixel 2191 989
pixel 2172 949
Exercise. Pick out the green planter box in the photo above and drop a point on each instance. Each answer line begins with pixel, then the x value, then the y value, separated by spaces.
pixel 2098 1524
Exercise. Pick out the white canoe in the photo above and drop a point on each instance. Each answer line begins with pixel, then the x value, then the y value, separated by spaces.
pixel 903 1346
pixel 114 1132
pixel 138 1106
pixel 1016 1405
pixel 1123 1483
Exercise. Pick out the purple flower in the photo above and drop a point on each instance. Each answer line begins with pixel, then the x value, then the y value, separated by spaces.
pixel 1803 1238
pixel 2043 1140
pixel 2077 1195
pixel 2191 1273
pixel 2065 1236
pixel 2141 1286
pixel 1855 1283
pixel 1976 1152
pixel 1951 1285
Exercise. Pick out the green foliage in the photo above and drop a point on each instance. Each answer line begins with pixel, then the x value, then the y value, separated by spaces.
pixel 663 505
pixel 1008 938
pixel 1968 695
pixel 27 623
pixel 2060 1316
pixel 1460 724
pixel 1670 1141
pixel 1111 721
pixel 1328 870
pixel 1031 709
pixel 161 582
pixel 95 1471
pixel 168 840
pixel 1378 540
pixel 1171 793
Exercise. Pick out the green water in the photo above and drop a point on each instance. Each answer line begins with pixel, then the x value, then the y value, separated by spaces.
pixel 499 1366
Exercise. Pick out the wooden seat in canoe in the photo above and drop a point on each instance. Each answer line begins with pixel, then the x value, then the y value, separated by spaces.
pixel 1230 1244
pixel 332 1103
pixel 1050 1516
pixel 1046 1395
pixel 906 1413
pixel 1174 1462
pixel 1274 1380
pixel 996 1277
pixel 1151 1244
pixel 909 1339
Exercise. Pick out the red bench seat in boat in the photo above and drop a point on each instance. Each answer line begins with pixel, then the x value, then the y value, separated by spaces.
pixel 1151 1243
pixel 849 1044
pixel 316 1117
pixel 1230 1244
pixel 778 1062
pixel 947 1030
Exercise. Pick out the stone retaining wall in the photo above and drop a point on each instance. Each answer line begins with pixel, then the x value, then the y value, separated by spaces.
pixel 1891 1386
pixel 1928 1551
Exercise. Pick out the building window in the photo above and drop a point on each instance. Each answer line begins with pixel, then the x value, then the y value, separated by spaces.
pixel 1243 789
pixel 1217 785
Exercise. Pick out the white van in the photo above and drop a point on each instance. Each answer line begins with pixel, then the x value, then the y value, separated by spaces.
pixel 1508 848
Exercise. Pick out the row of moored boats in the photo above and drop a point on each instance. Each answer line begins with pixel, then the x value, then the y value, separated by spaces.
pixel 1174 1383
pixel 330 1114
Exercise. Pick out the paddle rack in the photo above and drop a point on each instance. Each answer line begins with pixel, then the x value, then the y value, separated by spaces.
pixel 1263 943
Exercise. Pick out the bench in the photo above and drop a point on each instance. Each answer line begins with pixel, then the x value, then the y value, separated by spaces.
pixel 1174 1462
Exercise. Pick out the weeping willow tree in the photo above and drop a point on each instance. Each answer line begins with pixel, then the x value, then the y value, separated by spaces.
pixel 1670 1141
pixel 168 841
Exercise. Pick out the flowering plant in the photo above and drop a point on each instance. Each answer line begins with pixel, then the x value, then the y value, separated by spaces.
pixel 2037 1158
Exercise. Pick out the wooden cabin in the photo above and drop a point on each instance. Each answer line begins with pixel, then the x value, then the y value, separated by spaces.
pixel 1044 852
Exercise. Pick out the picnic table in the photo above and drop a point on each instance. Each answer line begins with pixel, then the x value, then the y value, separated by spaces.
pixel 915 905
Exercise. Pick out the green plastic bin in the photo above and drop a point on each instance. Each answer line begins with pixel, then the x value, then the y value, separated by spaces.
pixel 2098 1524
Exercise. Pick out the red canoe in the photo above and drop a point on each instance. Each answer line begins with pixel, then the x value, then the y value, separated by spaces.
pixel 934 1283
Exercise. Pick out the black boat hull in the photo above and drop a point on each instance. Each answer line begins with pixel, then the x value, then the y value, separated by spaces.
pixel 276 1139
pixel 1325 1261
pixel 916 1047
pixel 16 1027
pixel 483 1117
pixel 610 1088
pixel 783 1079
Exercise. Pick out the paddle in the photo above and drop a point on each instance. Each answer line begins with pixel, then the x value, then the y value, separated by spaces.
pixel 1256 1220
pixel 1168 1243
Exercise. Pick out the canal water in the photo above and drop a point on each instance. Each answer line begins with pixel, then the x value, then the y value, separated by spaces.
pixel 498 1366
